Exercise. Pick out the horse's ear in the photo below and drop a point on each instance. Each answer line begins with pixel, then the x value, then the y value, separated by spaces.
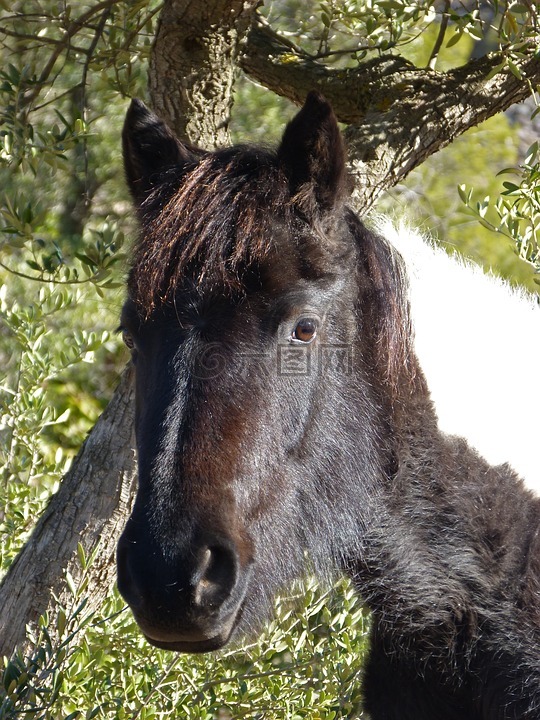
pixel 150 148
pixel 312 154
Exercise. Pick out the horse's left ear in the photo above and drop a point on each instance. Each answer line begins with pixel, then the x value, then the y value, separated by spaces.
pixel 150 148
pixel 312 154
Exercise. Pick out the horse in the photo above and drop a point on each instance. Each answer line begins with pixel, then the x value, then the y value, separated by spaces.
pixel 284 425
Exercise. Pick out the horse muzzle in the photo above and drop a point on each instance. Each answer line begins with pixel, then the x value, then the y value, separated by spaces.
pixel 188 599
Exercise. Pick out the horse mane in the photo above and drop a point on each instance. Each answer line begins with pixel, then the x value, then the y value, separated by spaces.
pixel 208 225
pixel 388 308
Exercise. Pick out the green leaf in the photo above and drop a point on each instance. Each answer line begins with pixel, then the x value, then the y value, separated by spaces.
pixel 61 621
pixel 496 70
pixel 519 9
pixel 81 556
pixel 510 187
pixel 514 69
pixel 70 582
pixel 464 194
pixel 456 37
pixel 531 154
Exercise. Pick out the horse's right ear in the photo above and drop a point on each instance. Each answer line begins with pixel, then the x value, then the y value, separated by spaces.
pixel 150 148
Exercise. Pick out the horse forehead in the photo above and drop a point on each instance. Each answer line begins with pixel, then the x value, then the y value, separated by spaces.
pixel 281 269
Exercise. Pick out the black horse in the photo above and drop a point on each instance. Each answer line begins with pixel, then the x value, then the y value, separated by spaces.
pixel 284 425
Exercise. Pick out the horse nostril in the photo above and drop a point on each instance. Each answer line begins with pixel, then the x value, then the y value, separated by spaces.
pixel 215 576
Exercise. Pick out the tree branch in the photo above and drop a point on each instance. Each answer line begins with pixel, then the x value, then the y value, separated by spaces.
pixel 397 114
pixel 440 37
pixel 65 42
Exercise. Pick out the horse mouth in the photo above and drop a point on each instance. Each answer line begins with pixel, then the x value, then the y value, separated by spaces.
pixel 192 641
pixel 190 646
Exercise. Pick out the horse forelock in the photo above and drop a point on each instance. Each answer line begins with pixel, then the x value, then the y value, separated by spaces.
pixel 209 230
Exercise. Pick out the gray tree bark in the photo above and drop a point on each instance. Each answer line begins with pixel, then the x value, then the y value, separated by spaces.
pixel 89 508
pixel 193 65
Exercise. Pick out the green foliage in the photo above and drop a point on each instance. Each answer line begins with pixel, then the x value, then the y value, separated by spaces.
pixel 515 213
pixel 348 31
pixel 253 101
pixel 64 72
pixel 34 686
pixel 429 197
pixel 306 664
pixel 42 350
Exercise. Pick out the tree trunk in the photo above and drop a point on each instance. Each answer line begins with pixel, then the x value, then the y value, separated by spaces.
pixel 90 508
pixel 193 64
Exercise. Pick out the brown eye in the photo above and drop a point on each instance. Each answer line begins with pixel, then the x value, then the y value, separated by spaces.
pixel 127 337
pixel 305 330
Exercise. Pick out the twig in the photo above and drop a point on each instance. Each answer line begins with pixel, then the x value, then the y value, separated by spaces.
pixel 440 37
pixel 70 32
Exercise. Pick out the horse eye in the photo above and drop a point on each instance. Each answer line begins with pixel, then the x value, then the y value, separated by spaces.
pixel 127 337
pixel 305 330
